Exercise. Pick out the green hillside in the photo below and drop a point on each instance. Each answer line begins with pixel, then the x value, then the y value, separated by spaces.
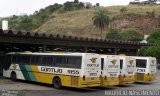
pixel 79 22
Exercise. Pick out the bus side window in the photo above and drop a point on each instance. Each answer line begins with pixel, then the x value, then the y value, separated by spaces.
pixel 74 62
pixel 121 64
pixel 16 59
pixel 102 63
pixel 35 60
pixel 47 61
pixel 25 59
pixel 61 61
pixel 44 60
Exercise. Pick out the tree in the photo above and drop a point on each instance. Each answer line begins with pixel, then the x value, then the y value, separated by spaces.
pixel 113 34
pixel 88 5
pixel 81 5
pixel 132 35
pixel 97 4
pixel 152 50
pixel 76 1
pixel 123 10
pixel 68 6
pixel 101 19
pixel 25 23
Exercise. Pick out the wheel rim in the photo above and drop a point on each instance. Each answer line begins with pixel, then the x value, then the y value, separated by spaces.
pixel 13 76
pixel 57 83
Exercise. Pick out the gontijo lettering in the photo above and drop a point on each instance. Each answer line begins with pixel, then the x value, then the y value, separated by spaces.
pixel 48 69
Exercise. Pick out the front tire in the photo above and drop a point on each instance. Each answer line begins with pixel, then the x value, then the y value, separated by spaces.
pixel 57 83
pixel 13 76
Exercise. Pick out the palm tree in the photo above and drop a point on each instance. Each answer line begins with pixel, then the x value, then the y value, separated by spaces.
pixel 101 19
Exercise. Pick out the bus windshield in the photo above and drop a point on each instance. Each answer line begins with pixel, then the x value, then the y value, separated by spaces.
pixel 7 62
pixel 141 63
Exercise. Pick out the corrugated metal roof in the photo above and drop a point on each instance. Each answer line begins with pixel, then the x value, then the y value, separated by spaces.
pixel 10 33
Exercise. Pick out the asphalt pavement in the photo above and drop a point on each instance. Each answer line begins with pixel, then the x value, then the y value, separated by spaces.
pixel 26 88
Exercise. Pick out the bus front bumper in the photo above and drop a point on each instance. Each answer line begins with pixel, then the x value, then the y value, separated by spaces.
pixel 109 81
pixel 142 77
pixel 126 79
pixel 89 82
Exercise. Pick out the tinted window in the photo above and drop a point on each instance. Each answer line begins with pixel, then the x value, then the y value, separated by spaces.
pixel 47 60
pixel 16 59
pixel 21 59
pixel 35 60
pixel 102 63
pixel 121 64
pixel 66 61
pixel 54 61
pixel 141 63
pixel 60 61
pixel 25 59
pixel 74 62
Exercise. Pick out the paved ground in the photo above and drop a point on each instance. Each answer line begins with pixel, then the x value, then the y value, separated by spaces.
pixel 23 88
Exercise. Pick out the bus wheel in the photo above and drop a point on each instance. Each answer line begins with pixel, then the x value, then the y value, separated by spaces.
pixel 57 83
pixel 13 76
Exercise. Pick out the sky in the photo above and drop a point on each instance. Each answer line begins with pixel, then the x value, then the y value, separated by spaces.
pixel 19 7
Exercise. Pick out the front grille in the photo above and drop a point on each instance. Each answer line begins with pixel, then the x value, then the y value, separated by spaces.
pixel 74 81
pixel 140 76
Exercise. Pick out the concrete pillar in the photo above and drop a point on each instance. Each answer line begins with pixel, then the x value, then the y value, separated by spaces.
pixel 115 51
pixel 44 48
pixel 85 49
pixel 138 50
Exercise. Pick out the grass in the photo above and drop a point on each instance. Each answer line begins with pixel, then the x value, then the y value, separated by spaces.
pixel 79 22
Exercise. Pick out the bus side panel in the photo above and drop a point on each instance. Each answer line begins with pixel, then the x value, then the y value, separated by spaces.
pixel 13 68
pixel 32 73
pixel 6 73
pixel 48 78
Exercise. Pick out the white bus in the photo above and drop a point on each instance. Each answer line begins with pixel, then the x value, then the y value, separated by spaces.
pixel 127 70
pixel 110 66
pixel 60 69
pixel 146 69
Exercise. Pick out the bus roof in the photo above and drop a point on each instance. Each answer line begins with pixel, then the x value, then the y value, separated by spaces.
pixel 139 57
pixel 52 53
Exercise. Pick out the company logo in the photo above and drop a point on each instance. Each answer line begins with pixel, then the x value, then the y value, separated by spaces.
pixel 131 62
pixel 153 61
pixel 113 62
pixel 14 66
pixel 93 60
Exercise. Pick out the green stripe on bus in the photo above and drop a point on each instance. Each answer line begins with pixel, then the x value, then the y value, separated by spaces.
pixel 31 74
pixel 24 72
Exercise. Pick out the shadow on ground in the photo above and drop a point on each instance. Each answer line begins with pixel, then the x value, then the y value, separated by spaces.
pixel 125 85
pixel 144 83
pixel 49 86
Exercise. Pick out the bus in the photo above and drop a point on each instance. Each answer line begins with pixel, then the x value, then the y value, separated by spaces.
pixel 110 67
pixel 60 69
pixel 127 70
pixel 146 69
